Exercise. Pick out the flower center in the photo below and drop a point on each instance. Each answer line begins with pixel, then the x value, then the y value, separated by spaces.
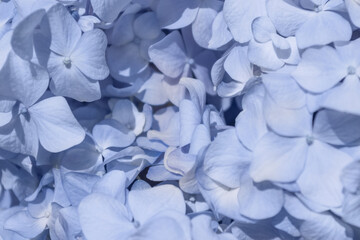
pixel 22 109
pixel 318 8
pixel 136 224
pixel 137 40
pixel 190 61
pixel 351 70
pixel 99 148
pixel 309 140
pixel 67 62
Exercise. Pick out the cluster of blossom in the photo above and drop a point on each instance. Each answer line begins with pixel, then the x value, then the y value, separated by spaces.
pixel 179 119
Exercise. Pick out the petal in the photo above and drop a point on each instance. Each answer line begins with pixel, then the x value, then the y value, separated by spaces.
pixel 65 32
pixel 351 177
pixel 178 162
pixel 82 156
pixel 230 89
pixel 25 225
pixel 286 16
pixel 320 180
pixel 221 34
pixel 353 8
pixel 221 199
pixel 237 64
pixel 110 133
pixel 20 136
pixel 152 91
pixel 336 128
pixel 145 204
pixel 226 159
pixel 344 97
pixel 108 10
pixel 113 184
pixel 173 14
pixel 320 69
pixel 250 123
pixel 169 135
pixel 70 82
pixel 200 138
pixel 125 60
pixel 260 200
pixel 78 185
pixel 102 217
pixel 190 118
pixel 201 27
pixel 239 15
pixel 262 29
pixel 284 90
pixel 169 54
pixel 287 122
pixel 123 31
pixel 57 127
pixel 22 39
pixel 165 225
pixel 146 26
pixel 201 69
pixel 22 80
pixel 346 52
pixel 132 120
pixel 89 55
pixel 317 225
pixel 278 159
pixel 321 31
pixel 264 55
pixel 351 207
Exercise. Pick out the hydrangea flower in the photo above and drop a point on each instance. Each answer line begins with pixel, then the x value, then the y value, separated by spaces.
pixel 332 76
pixel 76 61
pixel 49 121
pixel 307 21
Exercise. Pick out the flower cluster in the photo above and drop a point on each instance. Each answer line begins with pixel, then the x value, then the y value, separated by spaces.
pixel 179 119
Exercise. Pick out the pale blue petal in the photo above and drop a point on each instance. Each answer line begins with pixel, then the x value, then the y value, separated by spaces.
pixel 78 185
pixel 169 54
pixel 320 180
pixel 108 10
pixel 102 217
pixel 278 158
pixel 239 16
pixel 56 125
pixel 89 55
pixel 322 33
pixel 159 198
pixel 174 14
pixel 113 184
pixel 25 225
pixel 65 31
